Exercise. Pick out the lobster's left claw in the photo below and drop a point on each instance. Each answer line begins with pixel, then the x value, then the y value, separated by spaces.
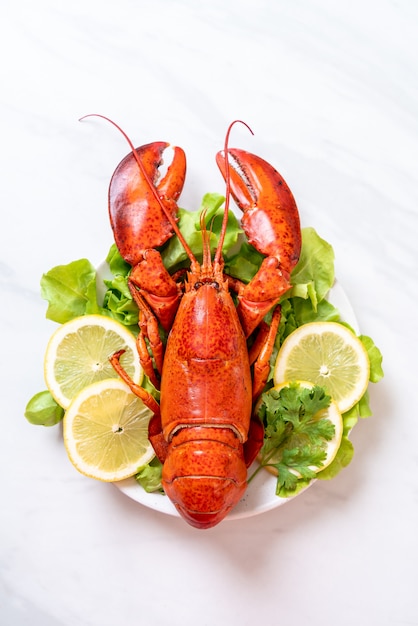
pixel 136 215
pixel 271 218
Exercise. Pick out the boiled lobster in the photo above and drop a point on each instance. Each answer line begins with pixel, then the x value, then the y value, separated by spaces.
pixel 204 430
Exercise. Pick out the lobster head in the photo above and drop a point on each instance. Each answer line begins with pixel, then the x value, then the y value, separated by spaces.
pixel 203 476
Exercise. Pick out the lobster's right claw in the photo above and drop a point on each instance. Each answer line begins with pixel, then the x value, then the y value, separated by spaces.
pixel 137 219
pixel 271 218
pixel 271 224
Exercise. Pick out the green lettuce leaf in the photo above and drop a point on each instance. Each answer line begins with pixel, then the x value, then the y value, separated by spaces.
pixel 118 302
pixel 296 312
pixel 173 254
pixel 313 276
pixel 42 410
pixel 149 476
pixel 342 459
pixel 118 266
pixel 244 264
pixel 375 358
pixel 70 291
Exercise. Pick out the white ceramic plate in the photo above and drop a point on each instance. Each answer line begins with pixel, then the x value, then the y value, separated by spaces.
pixel 260 495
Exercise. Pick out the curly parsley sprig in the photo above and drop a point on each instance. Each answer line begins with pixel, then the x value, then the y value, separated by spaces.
pixel 296 435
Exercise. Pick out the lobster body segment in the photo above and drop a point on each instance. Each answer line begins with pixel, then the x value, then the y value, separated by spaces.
pixel 206 351
pixel 204 431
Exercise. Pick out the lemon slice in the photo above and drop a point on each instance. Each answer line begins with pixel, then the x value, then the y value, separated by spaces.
pixel 78 354
pixel 332 414
pixel 106 431
pixel 327 354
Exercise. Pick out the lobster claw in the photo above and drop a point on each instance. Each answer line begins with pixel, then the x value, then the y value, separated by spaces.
pixel 271 224
pixel 271 218
pixel 135 196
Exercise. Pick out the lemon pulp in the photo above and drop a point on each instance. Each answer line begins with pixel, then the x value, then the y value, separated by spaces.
pixel 106 431
pixel 78 354
pixel 329 355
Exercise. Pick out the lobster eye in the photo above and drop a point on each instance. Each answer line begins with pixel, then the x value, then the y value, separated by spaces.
pixel 211 283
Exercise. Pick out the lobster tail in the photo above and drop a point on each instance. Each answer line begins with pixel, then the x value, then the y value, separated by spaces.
pixel 205 474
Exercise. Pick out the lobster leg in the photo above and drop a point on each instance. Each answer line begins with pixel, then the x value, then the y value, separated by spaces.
pixel 139 391
pixel 146 360
pixel 148 327
pixel 271 223
pixel 154 427
pixel 255 440
pixel 262 363
pixel 156 437
pixel 260 353
pixel 150 281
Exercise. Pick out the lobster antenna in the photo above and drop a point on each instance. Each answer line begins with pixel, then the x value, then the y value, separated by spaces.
pixel 206 256
pixel 151 186
pixel 218 253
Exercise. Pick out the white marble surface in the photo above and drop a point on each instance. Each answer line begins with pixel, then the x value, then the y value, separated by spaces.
pixel 331 91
